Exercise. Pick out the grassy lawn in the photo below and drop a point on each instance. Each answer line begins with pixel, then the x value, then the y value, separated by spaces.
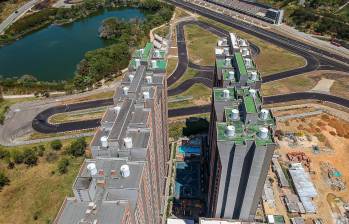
pixel 200 44
pixel 272 59
pixel 198 94
pixel 171 65
pixel 307 82
pixel 180 13
pixel 97 96
pixel 294 84
pixel 163 30
pixel 189 74
pixel 81 115
pixel 36 192
pixel 38 135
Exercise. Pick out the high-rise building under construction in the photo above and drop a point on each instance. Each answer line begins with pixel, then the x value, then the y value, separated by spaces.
pixel 241 134
pixel 125 181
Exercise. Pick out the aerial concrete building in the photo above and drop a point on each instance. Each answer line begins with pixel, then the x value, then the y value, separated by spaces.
pixel 125 180
pixel 241 134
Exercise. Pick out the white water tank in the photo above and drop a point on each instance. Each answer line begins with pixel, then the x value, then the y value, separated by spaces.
pixel 245 52
pixel 125 90
pixel 264 114
pixel 104 141
pixel 230 130
pixel 254 75
pixel 149 79
pixel 117 109
pixel 248 62
pixel 125 170
pixel 154 64
pixel 138 62
pixel 92 168
pixel 227 62
pixel 141 51
pixel 252 92
pixel 226 51
pixel 157 54
pixel 130 77
pixel 231 75
pixel 234 114
pixel 128 142
pixel 146 95
pixel 226 93
pixel 263 133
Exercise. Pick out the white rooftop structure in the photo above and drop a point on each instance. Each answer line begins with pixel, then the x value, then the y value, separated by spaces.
pixel 179 221
pixel 302 181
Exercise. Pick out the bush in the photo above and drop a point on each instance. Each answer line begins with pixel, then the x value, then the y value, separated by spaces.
pixel 56 145
pixel 77 148
pixel 29 157
pixel 4 154
pixel 63 166
pixel 3 180
pixel 17 156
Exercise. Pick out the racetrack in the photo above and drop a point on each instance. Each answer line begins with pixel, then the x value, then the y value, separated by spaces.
pixel 316 60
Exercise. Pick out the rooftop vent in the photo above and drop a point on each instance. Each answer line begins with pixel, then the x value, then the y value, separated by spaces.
pixel 263 133
pixel 226 94
pixel 149 79
pixel 128 142
pixel 125 170
pixel 125 90
pixel 92 169
pixel 264 114
pixel 230 130
pixel 104 141
pixel 234 114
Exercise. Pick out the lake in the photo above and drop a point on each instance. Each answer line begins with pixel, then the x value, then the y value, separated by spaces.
pixel 53 52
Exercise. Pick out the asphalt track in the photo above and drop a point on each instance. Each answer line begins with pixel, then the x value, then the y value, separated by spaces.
pixel 316 60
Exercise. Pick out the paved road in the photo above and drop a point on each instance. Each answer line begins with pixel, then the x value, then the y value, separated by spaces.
pixel 14 16
pixel 315 61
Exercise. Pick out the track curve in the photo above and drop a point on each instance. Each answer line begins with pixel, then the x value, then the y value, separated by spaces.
pixel 314 62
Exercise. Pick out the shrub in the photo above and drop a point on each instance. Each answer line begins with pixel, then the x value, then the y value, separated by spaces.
pixel 51 156
pixel 77 148
pixel 63 166
pixel 4 154
pixel 3 180
pixel 56 145
pixel 29 157
pixel 17 156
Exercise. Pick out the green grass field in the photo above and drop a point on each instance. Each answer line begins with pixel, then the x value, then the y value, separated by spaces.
pixel 189 74
pixel 272 59
pixel 36 192
pixel 200 45
pixel 198 94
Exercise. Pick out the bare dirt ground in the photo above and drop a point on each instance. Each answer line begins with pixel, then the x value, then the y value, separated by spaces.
pixel 331 134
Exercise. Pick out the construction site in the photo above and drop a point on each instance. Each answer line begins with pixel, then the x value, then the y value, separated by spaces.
pixel 308 179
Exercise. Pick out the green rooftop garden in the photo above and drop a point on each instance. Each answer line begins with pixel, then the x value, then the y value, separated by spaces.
pixel 250 104
pixel 241 64
pixel 147 50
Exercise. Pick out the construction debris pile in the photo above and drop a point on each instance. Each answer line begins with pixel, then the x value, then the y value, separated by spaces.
pixel 299 157
pixel 333 176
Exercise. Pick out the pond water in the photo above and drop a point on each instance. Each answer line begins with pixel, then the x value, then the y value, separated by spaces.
pixel 53 53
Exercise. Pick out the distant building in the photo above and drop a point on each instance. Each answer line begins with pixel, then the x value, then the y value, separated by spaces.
pixel 125 180
pixel 241 134
pixel 223 221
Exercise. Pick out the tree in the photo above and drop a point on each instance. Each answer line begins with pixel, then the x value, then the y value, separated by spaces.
pixel 56 145
pixel 29 157
pixel 3 180
pixel 63 166
pixel 77 148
